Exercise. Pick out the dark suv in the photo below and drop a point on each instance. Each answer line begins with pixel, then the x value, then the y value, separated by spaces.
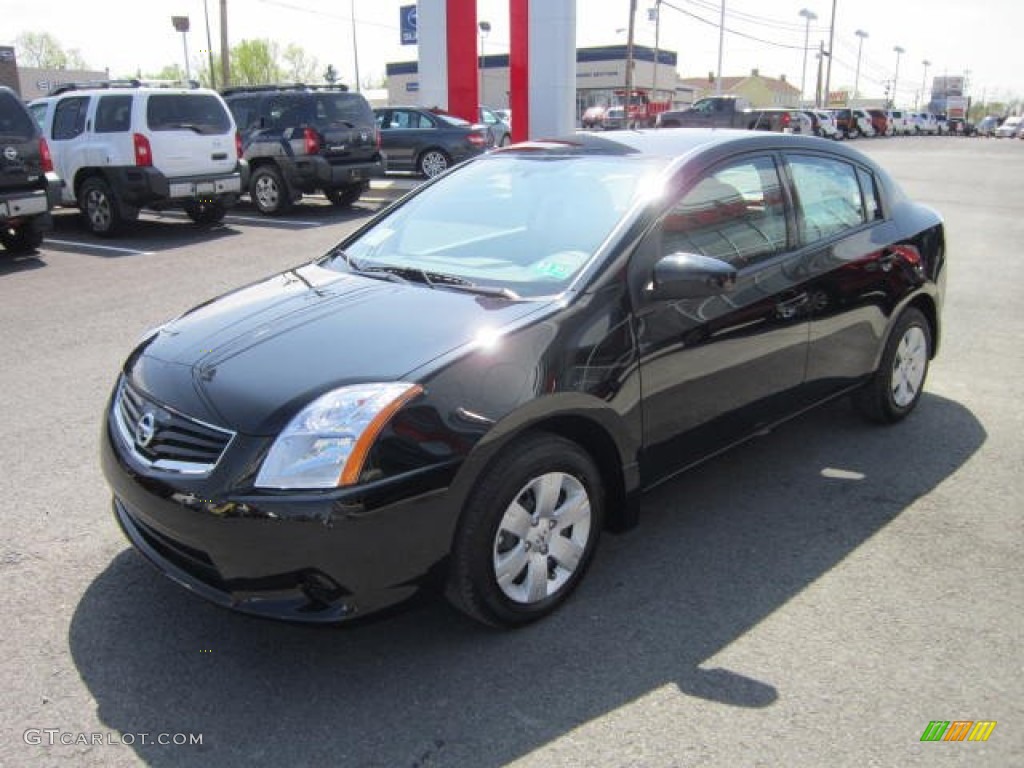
pixel 28 186
pixel 302 139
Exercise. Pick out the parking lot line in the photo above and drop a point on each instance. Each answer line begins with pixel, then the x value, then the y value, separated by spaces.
pixel 265 220
pixel 97 247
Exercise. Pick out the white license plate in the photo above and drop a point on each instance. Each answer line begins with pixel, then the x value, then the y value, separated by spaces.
pixel 205 188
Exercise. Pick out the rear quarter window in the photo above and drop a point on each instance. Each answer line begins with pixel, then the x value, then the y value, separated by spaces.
pixel 197 112
pixel 829 196
pixel 114 114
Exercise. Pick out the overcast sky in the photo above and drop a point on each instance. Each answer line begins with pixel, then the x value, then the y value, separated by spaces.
pixel 982 37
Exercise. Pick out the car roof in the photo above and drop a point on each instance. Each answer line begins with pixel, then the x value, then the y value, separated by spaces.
pixel 679 142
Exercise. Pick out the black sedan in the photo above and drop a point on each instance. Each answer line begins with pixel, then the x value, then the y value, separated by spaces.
pixel 428 142
pixel 475 383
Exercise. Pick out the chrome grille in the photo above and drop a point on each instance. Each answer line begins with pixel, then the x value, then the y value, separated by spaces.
pixel 165 439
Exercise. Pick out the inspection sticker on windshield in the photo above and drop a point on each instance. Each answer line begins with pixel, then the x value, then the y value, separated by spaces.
pixel 559 269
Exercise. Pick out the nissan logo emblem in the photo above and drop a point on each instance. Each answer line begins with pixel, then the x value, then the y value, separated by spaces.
pixel 11 153
pixel 145 430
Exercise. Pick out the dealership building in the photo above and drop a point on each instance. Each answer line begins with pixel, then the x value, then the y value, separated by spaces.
pixel 600 74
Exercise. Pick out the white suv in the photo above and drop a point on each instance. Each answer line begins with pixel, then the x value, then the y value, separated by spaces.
pixel 119 146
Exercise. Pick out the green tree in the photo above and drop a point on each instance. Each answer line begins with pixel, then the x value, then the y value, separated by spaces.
pixel 43 50
pixel 299 67
pixel 255 62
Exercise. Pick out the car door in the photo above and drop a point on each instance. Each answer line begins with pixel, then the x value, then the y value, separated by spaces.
pixel 404 132
pixel 856 266
pixel 69 141
pixel 715 369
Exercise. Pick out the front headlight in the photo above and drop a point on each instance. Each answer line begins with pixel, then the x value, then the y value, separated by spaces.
pixel 326 444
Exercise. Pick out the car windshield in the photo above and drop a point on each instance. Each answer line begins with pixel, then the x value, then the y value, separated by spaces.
pixel 343 108
pixel 15 122
pixel 523 223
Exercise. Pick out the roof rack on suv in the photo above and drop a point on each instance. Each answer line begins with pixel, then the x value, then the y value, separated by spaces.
pixel 131 83
pixel 282 87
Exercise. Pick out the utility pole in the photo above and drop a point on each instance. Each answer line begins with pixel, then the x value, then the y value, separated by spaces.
pixel 657 47
pixel 225 54
pixel 831 41
pixel 355 46
pixel 817 87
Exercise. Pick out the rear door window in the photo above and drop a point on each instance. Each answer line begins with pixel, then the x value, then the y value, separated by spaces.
pixel 198 112
pixel 828 194
pixel 69 118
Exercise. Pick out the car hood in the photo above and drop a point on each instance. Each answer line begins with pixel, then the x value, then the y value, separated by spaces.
pixel 251 359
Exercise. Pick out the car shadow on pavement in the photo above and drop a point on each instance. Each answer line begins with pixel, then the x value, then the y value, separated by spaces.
pixel 147 235
pixel 718 550
pixel 9 264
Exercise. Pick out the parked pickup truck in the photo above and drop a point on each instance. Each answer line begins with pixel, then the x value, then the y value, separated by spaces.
pixel 730 112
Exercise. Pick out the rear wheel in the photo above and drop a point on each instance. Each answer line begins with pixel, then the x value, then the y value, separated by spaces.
pixel 344 196
pixel 433 162
pixel 100 208
pixel 205 212
pixel 268 191
pixel 895 388
pixel 528 532
pixel 23 238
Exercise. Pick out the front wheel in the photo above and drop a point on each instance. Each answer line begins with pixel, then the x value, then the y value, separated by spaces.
pixel 895 388
pixel 528 532
pixel 433 163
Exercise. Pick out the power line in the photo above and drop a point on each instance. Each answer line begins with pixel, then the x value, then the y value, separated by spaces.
pixel 731 31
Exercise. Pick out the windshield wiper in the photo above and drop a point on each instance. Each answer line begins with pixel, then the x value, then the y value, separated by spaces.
pixel 430 279
pixel 377 273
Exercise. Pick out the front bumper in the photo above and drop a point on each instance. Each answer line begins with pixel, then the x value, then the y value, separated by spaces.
pixel 311 557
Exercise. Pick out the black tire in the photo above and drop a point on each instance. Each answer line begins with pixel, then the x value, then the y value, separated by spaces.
pixel 24 238
pixel 433 162
pixel 895 388
pixel 205 213
pixel 505 521
pixel 100 208
pixel 268 191
pixel 344 197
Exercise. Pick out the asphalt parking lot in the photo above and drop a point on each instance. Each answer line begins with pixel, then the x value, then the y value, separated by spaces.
pixel 814 598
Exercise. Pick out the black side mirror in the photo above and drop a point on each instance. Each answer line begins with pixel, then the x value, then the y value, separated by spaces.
pixel 691 276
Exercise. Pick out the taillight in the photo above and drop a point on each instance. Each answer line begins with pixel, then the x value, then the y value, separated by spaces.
pixel 477 139
pixel 786 117
pixel 45 158
pixel 312 141
pixel 143 153
pixel 238 145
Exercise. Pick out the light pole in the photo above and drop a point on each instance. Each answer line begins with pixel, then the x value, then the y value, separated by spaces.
pixel 721 44
pixel 485 29
pixel 924 79
pixel 209 46
pixel 629 64
pixel 895 78
pixel 860 46
pixel 355 45
pixel 810 16
pixel 181 25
